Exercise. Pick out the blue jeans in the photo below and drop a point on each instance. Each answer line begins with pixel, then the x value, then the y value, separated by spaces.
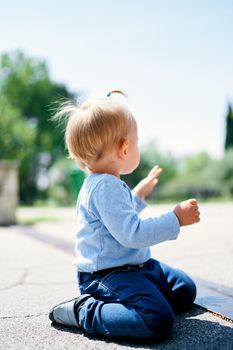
pixel 135 302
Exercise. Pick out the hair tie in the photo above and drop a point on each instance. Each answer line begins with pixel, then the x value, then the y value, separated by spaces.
pixel 116 91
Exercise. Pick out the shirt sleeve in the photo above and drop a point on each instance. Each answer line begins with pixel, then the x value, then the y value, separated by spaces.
pixel 112 205
pixel 138 204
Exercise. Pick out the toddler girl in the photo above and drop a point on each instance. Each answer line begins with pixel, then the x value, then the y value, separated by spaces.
pixel 124 292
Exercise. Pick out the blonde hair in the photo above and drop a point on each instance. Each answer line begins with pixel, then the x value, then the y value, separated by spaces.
pixel 95 127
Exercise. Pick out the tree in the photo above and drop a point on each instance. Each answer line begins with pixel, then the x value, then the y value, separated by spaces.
pixel 229 128
pixel 17 138
pixel 224 173
pixel 29 95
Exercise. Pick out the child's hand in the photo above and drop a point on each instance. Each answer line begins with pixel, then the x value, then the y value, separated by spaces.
pixel 146 186
pixel 187 212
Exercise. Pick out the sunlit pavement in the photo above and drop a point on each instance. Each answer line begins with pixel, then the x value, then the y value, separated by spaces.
pixel 35 275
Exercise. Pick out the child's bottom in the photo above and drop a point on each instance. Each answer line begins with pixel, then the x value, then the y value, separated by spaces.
pixel 134 301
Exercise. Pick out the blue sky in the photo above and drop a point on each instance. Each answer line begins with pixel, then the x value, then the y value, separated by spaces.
pixel 174 59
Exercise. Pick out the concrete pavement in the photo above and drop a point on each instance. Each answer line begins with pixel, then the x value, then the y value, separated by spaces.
pixel 37 275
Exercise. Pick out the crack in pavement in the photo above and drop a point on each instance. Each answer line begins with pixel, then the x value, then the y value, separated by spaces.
pixel 22 316
pixel 20 282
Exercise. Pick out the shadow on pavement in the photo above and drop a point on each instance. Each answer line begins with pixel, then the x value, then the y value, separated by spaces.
pixel 192 330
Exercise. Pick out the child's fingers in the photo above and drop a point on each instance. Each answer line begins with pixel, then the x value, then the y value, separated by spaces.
pixel 193 201
pixel 158 171
pixel 195 209
pixel 155 171
pixel 153 178
pixel 151 172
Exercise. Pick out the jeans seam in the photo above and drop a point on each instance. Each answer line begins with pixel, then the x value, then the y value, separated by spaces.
pixel 109 289
pixel 102 285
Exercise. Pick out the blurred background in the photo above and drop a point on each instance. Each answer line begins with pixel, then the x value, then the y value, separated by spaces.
pixel 174 59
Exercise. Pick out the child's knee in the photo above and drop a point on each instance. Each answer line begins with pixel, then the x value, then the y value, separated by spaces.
pixel 160 321
pixel 185 295
pixel 189 291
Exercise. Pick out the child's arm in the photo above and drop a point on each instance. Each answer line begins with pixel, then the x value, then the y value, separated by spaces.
pixel 111 204
pixel 146 186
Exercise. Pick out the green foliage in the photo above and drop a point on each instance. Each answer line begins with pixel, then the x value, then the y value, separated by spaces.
pixel 27 95
pixel 202 177
pixel 196 164
pixel 224 173
pixel 229 129
pixel 16 134
pixel 28 88
pixel 17 141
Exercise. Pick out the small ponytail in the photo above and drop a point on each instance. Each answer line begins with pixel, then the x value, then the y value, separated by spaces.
pixel 116 91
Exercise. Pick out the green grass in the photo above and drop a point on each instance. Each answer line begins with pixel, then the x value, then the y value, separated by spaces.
pixel 28 221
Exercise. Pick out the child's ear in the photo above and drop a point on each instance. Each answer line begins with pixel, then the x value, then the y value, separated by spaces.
pixel 123 149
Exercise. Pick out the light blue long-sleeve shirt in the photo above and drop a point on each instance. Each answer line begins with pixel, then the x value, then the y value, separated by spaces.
pixel 110 232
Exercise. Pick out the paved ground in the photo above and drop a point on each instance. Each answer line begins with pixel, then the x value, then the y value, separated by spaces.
pixel 34 276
